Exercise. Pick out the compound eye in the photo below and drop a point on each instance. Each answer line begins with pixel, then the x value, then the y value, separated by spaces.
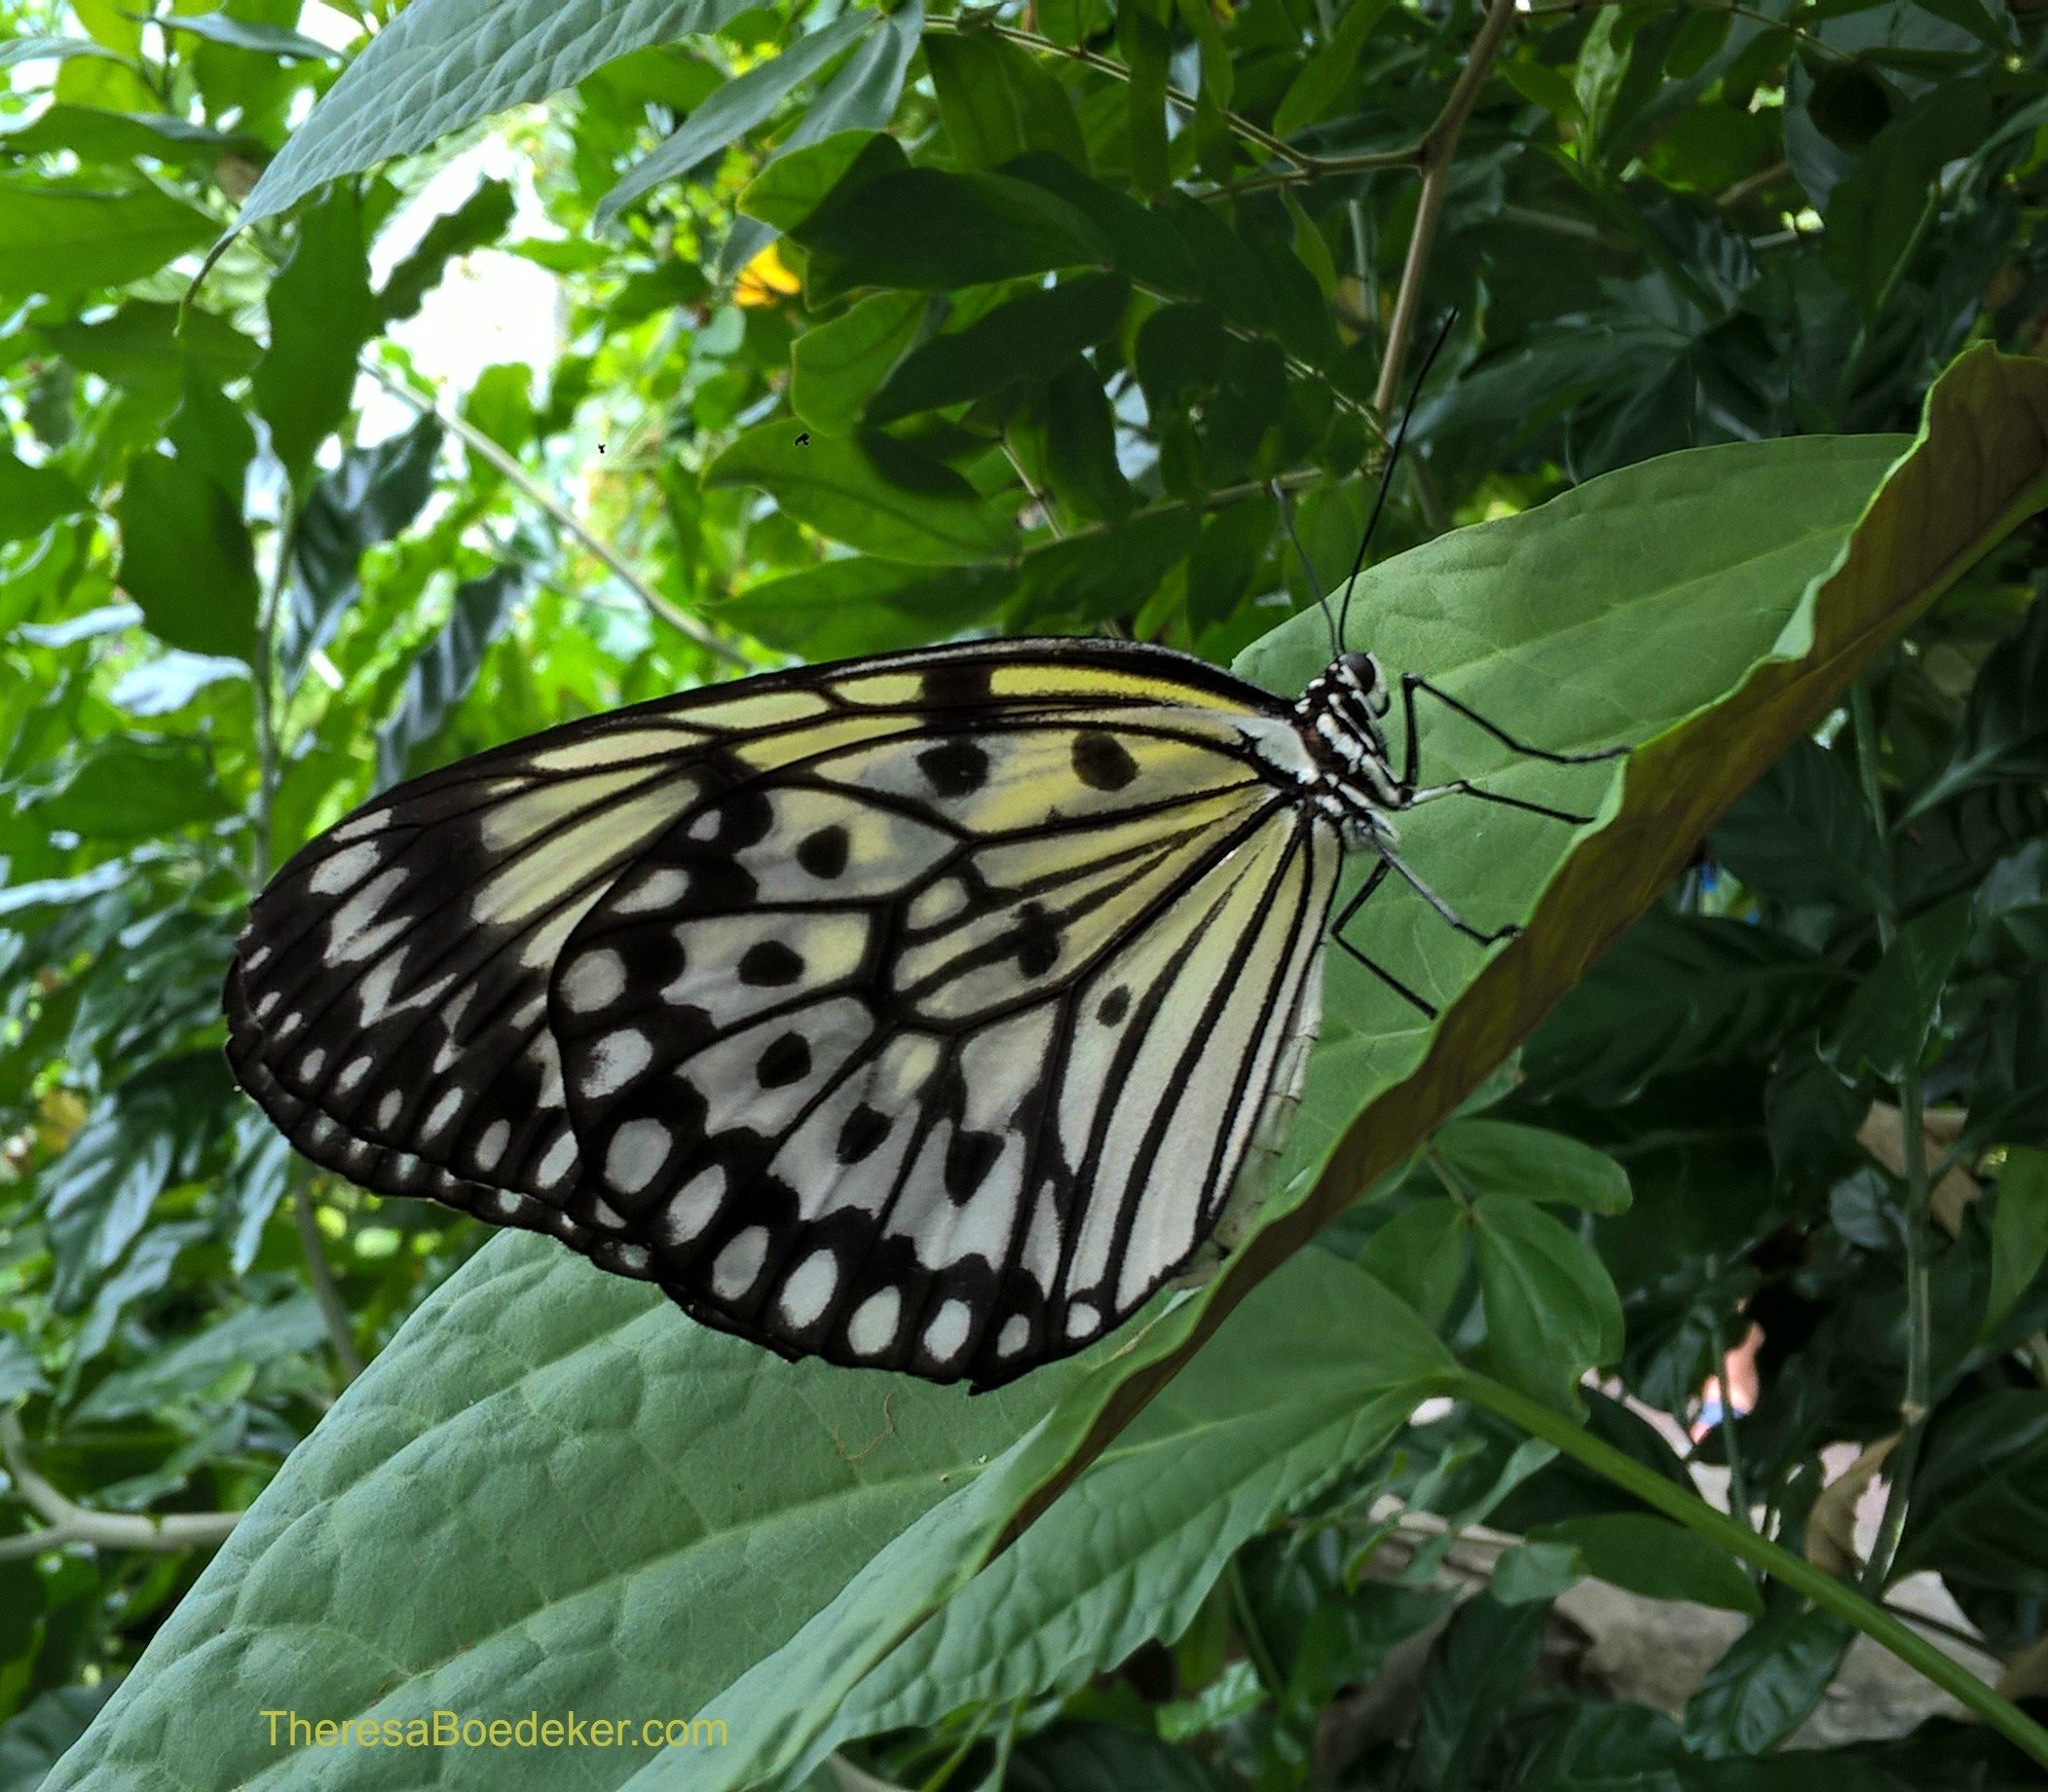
pixel 1373 683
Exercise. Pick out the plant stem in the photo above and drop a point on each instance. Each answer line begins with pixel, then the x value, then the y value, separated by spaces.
pixel 1919 1281
pixel 1433 156
pixel 1262 1662
pixel 68 1522
pixel 264 681
pixel 1797 1573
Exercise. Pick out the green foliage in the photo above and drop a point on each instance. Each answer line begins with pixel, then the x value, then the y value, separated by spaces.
pixel 876 328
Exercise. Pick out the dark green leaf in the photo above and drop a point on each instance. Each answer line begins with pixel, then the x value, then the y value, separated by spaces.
pixel 929 231
pixel 1496 1157
pixel 96 135
pixel 479 220
pixel 37 1734
pixel 321 313
pixel 127 786
pixel 32 497
pixel 1975 1514
pixel 1877 213
pixel 1421 1254
pixel 1678 990
pixel 2004 738
pixel 147 345
pixel 836 367
pixel 1141 36
pixel 1080 447
pixel 1325 75
pixel 1885 1028
pixel 1552 1312
pixel 1803 834
pixel 736 108
pixel 2019 1231
pixel 180 1372
pixel 59 236
pixel 1769 1681
pixel 869 492
pixel 186 556
pixel 1531 1572
pixel 1103 572
pixel 2008 1097
pixel 369 498
pixel 1475 1675
pixel 447 665
pixel 141 1137
pixel 1099 1757
pixel 1653 1556
pixel 861 606
pixel 1027 338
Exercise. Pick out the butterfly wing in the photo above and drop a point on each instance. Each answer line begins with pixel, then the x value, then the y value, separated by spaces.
pixel 917 1013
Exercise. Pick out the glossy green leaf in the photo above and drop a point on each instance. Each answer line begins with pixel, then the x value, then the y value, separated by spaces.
pixel 2004 738
pixel 1552 1312
pixel 1422 1255
pixel 838 366
pixel 1497 1157
pixel 871 492
pixel 1528 1573
pixel 1769 1681
pixel 94 134
pixel 62 238
pixel 2008 1095
pixel 1977 1517
pixel 1475 1675
pixel 1325 75
pixel 862 606
pixel 928 231
pixel 2019 1231
pixel 1026 339
pixel 1885 1027
pixel 186 557
pixel 1660 1561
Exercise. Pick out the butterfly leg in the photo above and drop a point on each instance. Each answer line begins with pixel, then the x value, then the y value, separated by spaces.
pixel 1414 682
pixel 1376 877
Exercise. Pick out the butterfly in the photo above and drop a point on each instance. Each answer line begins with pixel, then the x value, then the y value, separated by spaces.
pixel 917 1012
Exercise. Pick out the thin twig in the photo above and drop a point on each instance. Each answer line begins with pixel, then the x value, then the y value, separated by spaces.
pixel 265 683
pixel 545 501
pixel 68 1522
pixel 334 1312
pixel 1433 156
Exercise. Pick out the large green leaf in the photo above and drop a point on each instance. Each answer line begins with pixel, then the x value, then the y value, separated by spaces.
pixel 587 1484
pixel 1980 1510
pixel 186 556
pixel 58 238
pixel 445 63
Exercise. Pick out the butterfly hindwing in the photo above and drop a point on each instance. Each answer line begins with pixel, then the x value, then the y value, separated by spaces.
pixel 916 1013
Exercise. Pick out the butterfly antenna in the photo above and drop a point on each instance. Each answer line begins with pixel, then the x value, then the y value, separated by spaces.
pixel 1394 455
pixel 1308 566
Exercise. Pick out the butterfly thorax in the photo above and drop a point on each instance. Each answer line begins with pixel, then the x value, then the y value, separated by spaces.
pixel 1338 718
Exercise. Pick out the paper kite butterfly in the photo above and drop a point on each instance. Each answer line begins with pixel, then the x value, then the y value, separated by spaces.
pixel 917 1012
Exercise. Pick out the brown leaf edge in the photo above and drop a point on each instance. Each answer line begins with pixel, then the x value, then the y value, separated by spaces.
pixel 1978 469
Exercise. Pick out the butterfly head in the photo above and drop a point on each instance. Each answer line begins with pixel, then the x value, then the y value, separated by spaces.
pixel 1358 676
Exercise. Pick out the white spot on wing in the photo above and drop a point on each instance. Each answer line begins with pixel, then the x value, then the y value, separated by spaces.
pixel 1015 1335
pixel 594 981
pixel 947 1331
pixel 692 1206
pixel 491 1146
pixel 808 1292
pixel 615 1061
pixel 873 1328
pixel 560 1158
pixel 636 1155
pixel 738 1265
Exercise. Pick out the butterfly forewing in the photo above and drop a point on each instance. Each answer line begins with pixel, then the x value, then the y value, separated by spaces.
pixel 918 1013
